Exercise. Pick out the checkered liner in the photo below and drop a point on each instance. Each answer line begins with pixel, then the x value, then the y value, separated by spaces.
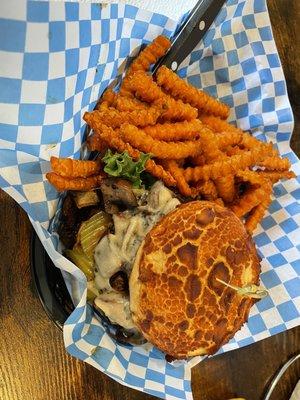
pixel 57 58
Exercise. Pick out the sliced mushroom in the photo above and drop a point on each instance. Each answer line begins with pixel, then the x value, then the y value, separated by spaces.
pixel 119 282
pixel 86 199
pixel 117 195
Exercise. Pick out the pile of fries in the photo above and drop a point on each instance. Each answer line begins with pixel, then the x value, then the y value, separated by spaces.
pixel 193 148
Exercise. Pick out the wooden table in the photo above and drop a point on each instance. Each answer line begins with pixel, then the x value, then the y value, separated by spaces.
pixel 33 361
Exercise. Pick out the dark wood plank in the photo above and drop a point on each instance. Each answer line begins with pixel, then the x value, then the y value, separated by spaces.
pixel 33 362
pixel 285 19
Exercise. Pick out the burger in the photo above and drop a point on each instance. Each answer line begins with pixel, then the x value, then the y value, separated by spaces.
pixel 178 294
pixel 164 271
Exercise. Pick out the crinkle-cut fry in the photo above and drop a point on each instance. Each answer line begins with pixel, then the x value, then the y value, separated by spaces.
pixel 234 150
pixel 227 166
pixel 150 55
pixel 180 89
pixel 239 136
pixel 206 189
pixel 210 147
pixel 251 176
pixel 115 119
pixel 144 60
pixel 219 201
pixel 275 176
pixel 110 96
pixel 61 184
pixel 225 187
pixel 110 136
pixel 175 110
pixel 159 172
pixel 198 160
pixel 144 88
pixel 123 103
pixel 249 142
pixel 103 107
pixel 177 173
pixel 217 124
pixel 186 130
pixel 257 214
pixel 94 143
pixel 229 138
pixel 164 150
pixel 70 168
pixel 107 100
pixel 250 199
pixel 275 163
pixel 125 89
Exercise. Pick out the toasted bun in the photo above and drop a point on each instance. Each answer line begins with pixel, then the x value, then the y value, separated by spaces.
pixel 175 298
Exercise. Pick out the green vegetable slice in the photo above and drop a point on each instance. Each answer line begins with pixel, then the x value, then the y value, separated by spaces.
pixel 82 261
pixel 92 230
pixel 122 165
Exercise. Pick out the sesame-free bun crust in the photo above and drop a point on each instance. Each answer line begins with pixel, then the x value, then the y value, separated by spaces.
pixel 175 298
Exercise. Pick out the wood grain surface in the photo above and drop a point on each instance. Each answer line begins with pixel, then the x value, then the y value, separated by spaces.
pixel 33 361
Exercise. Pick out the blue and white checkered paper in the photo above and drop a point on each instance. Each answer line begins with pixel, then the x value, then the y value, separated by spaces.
pixel 56 59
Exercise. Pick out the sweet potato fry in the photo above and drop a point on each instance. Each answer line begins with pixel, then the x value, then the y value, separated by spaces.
pixel 180 89
pixel 177 173
pixel 159 172
pixel 61 184
pixel 123 103
pixel 225 188
pixel 172 132
pixel 237 135
pixel 206 189
pixel 249 142
pixel 275 163
pixel 257 213
pixel 115 118
pixel 144 60
pixel 224 185
pixel 198 160
pixel 94 143
pixel 164 150
pixel 250 199
pixel 234 150
pixel 107 100
pixel 275 176
pixel 69 168
pixel 217 124
pixel 252 177
pixel 175 110
pixel 229 138
pixel 219 201
pixel 150 55
pixel 110 136
pixel 144 88
pixel 210 147
pixel 228 166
